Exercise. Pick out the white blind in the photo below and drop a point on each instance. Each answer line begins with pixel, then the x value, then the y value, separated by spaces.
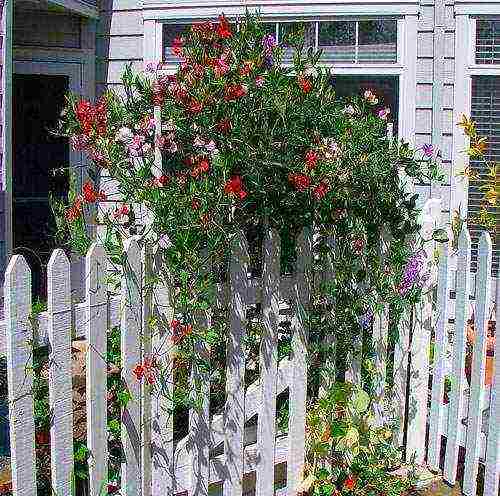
pixel 485 111
pixel 487 41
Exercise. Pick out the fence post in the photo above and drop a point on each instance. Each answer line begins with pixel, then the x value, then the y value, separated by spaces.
pixel 266 435
pixel 19 337
pixel 456 406
pixel 476 399
pixel 60 387
pixel 440 342
pixel 131 326
pixel 492 472
pixel 419 347
pixel 234 421
pixel 298 365
pixel 96 367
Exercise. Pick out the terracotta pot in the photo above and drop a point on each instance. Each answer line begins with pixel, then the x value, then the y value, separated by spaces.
pixel 490 350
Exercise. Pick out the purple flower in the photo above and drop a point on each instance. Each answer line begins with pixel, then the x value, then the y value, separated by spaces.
pixel 268 42
pixel 412 273
pixel 366 319
pixel 268 61
pixel 428 150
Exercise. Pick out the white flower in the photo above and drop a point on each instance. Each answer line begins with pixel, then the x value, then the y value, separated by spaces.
pixel 211 146
pixel 350 110
pixel 198 142
pixel 168 126
pixel 310 72
pixel 124 135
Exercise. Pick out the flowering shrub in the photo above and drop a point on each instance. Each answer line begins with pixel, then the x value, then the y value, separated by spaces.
pixel 246 143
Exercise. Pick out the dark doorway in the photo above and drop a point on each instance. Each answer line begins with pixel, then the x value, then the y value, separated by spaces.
pixel 385 87
pixel 37 153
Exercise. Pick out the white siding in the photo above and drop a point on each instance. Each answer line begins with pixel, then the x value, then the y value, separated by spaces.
pixel 119 41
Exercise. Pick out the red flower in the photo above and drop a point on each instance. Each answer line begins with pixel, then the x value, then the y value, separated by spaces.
pixel 299 181
pixel 101 117
pixel 42 437
pixel 113 487
pixel 175 324
pixel 235 91
pixel 158 93
pixel 90 195
pixel 234 187
pixel 178 46
pixel 224 126
pixel 161 181
pixel 311 159
pixel 6 488
pixel 305 84
pixel 246 69
pixel 320 190
pixel 202 167
pixel 358 245
pixel 195 106
pixel 74 212
pixel 224 29
pixel 138 371
pixel 120 212
pixel 181 332
pixel 350 483
pixel 195 204
pixel 85 115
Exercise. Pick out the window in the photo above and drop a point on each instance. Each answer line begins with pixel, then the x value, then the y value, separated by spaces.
pixel 345 41
pixel 487 41
pixel 485 111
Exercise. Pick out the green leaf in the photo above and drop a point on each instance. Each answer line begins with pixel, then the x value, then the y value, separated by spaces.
pixel 440 235
pixel 361 401
pixel 338 429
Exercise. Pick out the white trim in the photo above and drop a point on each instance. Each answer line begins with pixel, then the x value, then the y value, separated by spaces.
pixel 8 12
pixel 461 105
pixel 164 10
pixel 80 7
pixel 477 7
pixel 408 85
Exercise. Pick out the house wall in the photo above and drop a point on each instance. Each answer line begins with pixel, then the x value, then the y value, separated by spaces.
pixel 434 100
pixel 119 41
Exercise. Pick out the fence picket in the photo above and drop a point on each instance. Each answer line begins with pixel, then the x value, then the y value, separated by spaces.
pixel 60 386
pixel 380 334
pixel 131 325
pixel 492 469
pixel 19 335
pixel 419 347
pixel 145 387
pixel 199 418
pixel 266 434
pixel 96 367
pixel 234 424
pixel 328 374
pixel 162 434
pixel 440 341
pixel 298 369
pixel 456 405
pixel 476 399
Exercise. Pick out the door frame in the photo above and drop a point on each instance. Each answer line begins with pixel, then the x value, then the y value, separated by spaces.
pixel 79 67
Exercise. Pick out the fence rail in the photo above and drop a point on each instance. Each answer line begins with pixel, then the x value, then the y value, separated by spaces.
pixel 223 450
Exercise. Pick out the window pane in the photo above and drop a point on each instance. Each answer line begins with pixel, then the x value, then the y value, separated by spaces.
pixel 485 111
pixel 386 88
pixel 338 41
pixel 377 41
pixel 487 42
pixel 170 32
pixel 290 31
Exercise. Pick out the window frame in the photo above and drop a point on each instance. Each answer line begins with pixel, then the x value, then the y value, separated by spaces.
pixel 405 67
pixel 465 68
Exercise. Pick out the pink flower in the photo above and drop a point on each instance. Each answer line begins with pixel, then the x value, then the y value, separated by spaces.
pixel 320 190
pixel 370 97
pixel 259 81
pixel 428 150
pixel 383 113
pixel 80 142
pixel 135 146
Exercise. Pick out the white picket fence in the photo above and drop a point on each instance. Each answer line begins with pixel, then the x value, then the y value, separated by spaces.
pixel 154 466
